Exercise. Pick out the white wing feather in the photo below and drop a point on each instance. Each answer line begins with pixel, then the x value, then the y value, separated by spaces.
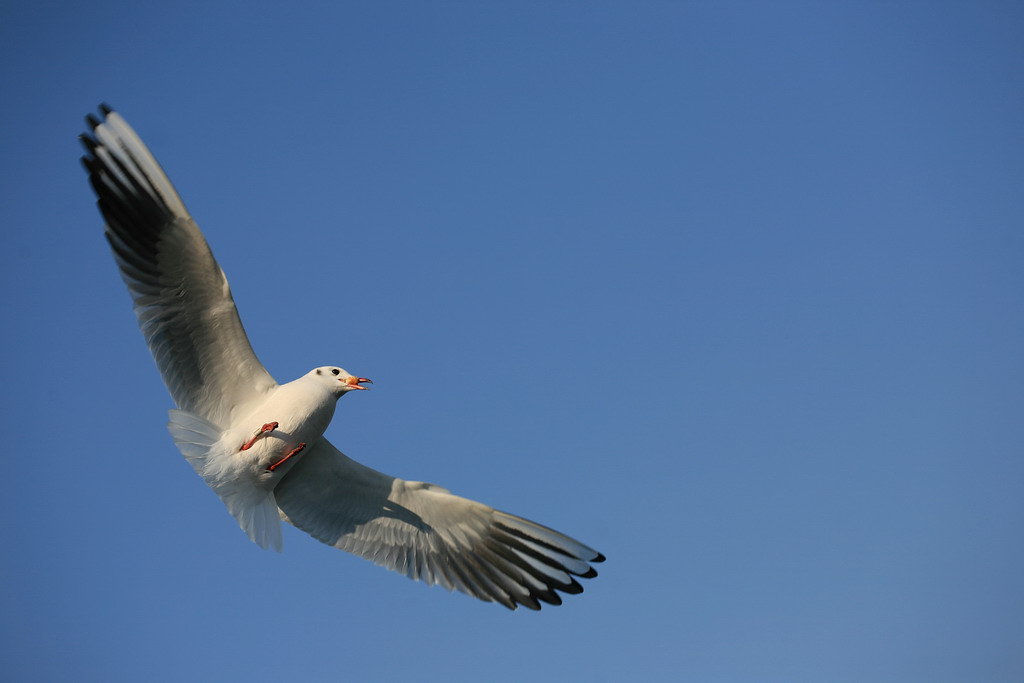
pixel 182 299
pixel 423 531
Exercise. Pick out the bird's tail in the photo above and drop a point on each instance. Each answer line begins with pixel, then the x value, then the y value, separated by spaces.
pixel 253 506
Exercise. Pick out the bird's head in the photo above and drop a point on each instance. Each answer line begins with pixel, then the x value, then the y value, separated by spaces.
pixel 338 380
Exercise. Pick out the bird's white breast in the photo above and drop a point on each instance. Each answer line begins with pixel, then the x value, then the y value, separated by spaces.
pixel 302 409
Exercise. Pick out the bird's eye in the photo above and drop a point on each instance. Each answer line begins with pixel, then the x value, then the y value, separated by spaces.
pixel 335 371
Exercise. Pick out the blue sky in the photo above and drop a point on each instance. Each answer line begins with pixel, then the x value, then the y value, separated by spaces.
pixel 731 291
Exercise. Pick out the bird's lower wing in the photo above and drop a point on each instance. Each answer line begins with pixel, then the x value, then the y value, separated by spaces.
pixel 423 531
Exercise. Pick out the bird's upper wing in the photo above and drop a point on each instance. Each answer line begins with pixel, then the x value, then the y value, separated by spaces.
pixel 181 296
pixel 423 531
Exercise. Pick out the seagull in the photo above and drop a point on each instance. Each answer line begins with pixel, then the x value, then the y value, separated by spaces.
pixel 259 444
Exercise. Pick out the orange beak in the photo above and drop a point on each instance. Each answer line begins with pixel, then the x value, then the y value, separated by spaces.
pixel 353 382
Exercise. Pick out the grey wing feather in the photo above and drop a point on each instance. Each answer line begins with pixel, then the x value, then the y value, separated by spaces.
pixel 423 531
pixel 182 299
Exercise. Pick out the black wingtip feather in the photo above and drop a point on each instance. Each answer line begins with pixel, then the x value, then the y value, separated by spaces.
pixel 106 109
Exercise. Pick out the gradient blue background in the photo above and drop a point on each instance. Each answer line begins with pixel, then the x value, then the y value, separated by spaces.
pixel 731 291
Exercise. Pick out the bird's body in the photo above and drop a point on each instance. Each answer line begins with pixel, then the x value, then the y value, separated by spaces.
pixel 303 409
pixel 259 444
pixel 244 461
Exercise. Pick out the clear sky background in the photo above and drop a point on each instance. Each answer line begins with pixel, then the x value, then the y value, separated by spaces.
pixel 731 291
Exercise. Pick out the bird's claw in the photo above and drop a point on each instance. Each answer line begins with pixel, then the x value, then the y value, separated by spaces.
pixel 265 429
pixel 294 451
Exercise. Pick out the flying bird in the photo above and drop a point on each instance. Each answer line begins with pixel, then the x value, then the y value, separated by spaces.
pixel 259 444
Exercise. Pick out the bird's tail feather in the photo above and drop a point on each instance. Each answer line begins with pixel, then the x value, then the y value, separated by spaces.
pixel 253 506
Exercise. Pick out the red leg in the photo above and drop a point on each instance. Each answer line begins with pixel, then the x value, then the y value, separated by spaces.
pixel 269 427
pixel 294 451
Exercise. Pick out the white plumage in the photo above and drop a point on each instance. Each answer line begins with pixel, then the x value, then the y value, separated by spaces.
pixel 259 445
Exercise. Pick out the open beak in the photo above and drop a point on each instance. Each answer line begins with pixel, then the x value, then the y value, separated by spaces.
pixel 354 382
